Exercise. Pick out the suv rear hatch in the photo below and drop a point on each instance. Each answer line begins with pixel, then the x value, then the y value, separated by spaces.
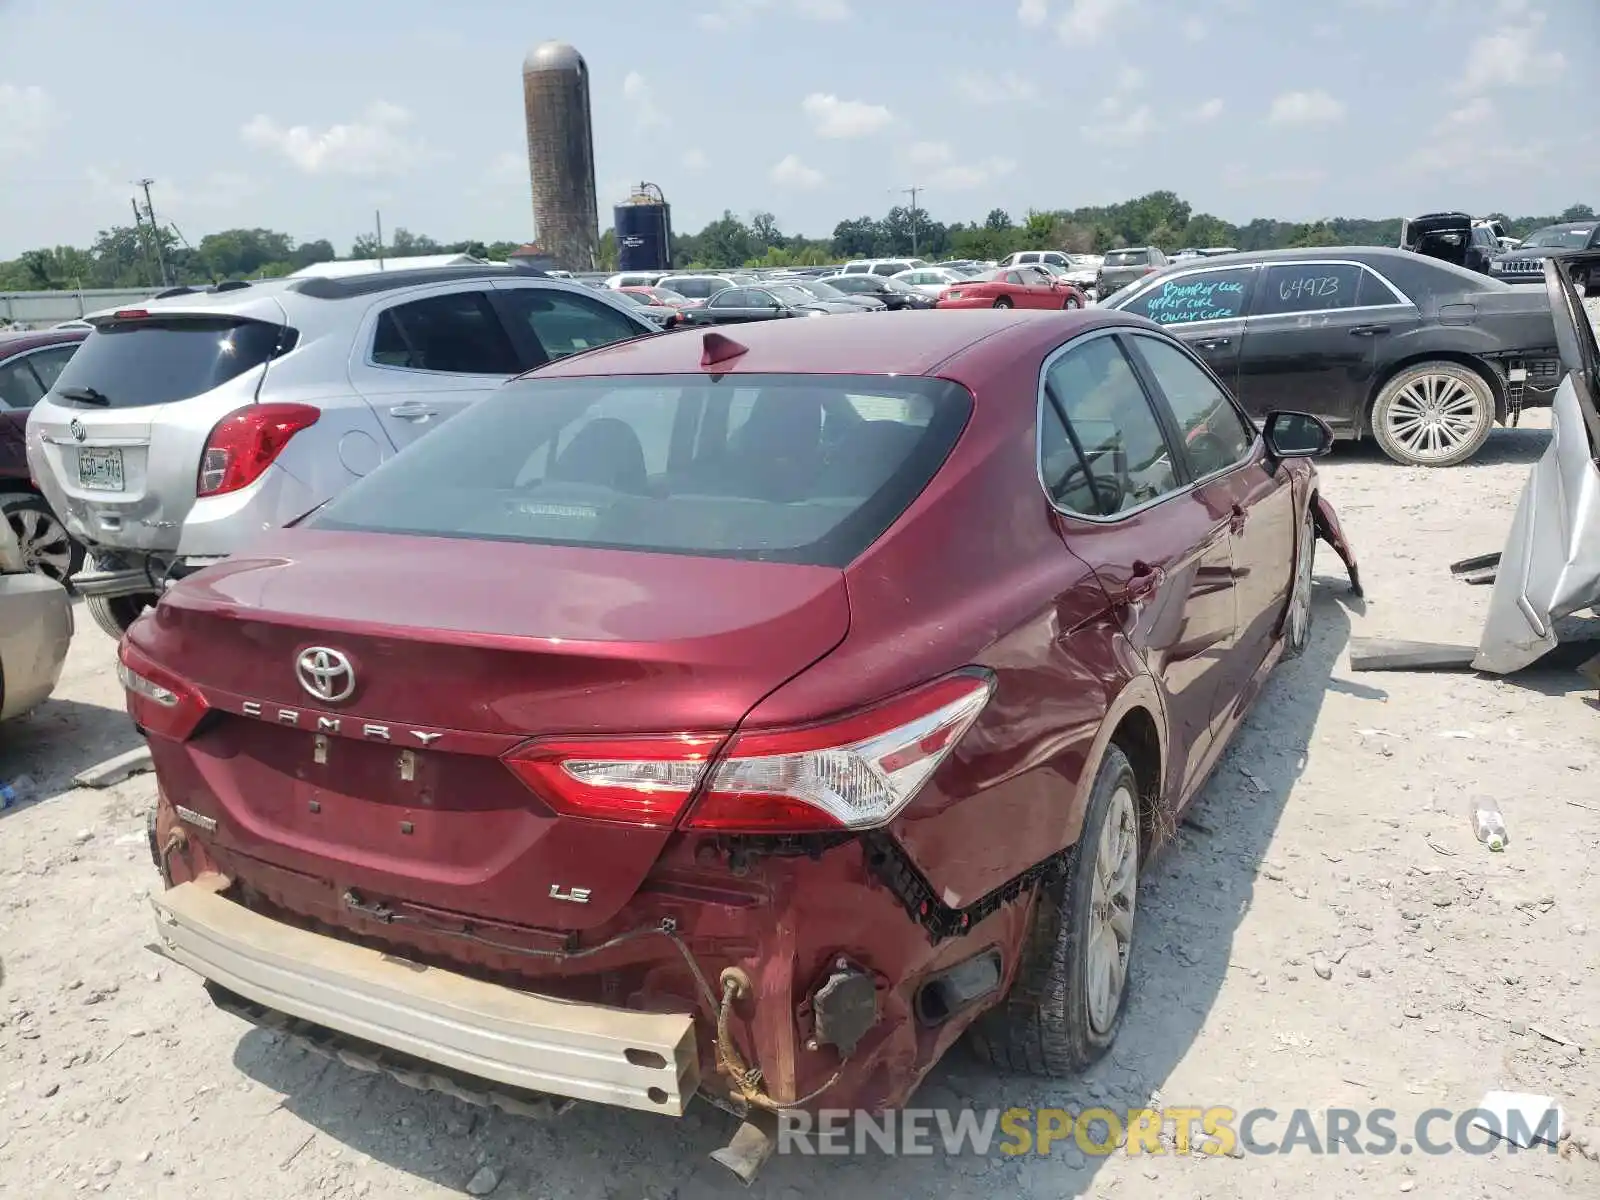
pixel 398 791
pixel 116 444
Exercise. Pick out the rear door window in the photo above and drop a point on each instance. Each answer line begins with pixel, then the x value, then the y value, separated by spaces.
pixel 565 323
pixel 811 469
pixel 1308 287
pixel 1116 456
pixel 458 334
pixel 48 364
pixel 129 364
pixel 19 386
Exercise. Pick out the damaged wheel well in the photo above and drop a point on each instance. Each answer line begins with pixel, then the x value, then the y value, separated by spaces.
pixel 1478 366
pixel 1137 737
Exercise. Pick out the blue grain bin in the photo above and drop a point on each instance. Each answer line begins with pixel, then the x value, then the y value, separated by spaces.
pixel 643 224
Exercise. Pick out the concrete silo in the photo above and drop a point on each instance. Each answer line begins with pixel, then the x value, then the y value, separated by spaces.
pixel 555 96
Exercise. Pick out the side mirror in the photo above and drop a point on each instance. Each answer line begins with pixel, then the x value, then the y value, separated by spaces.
pixel 1296 435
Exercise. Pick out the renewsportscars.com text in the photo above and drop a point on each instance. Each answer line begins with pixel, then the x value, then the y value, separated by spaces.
pixel 1141 1131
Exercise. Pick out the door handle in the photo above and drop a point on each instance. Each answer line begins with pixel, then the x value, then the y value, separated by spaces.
pixel 1237 518
pixel 1215 343
pixel 413 412
pixel 1144 581
pixel 1368 330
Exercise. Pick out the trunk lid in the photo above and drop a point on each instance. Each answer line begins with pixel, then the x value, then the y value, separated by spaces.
pixel 116 444
pixel 460 651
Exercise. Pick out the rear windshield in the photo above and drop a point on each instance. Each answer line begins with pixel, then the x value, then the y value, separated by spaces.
pixel 128 364
pixel 1554 237
pixel 1127 258
pixel 775 468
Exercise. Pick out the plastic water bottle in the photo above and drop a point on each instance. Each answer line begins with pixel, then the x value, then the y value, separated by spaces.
pixel 1487 822
pixel 16 791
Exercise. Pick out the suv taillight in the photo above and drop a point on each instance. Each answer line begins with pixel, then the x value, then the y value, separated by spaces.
pixel 856 772
pixel 244 444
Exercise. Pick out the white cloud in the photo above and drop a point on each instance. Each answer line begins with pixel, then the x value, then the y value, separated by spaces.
pixel 980 87
pixel 1116 122
pixel 1305 108
pixel 1510 57
pixel 1210 110
pixel 732 14
pixel 1129 79
pixel 1244 177
pixel 641 98
pixel 376 143
pixel 1087 21
pixel 832 117
pixel 961 177
pixel 1194 29
pixel 824 10
pixel 789 171
pixel 27 114
pixel 1471 114
pixel 1324 30
pixel 215 191
pixel 929 154
pixel 1033 13
pixel 694 159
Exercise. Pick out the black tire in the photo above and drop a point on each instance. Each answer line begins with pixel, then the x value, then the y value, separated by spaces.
pixel 1298 615
pixel 1402 404
pixel 1044 1025
pixel 46 546
pixel 114 614
pixel 1003 302
pixel 1070 302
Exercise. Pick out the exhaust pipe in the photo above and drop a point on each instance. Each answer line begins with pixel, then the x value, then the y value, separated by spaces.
pixel 957 988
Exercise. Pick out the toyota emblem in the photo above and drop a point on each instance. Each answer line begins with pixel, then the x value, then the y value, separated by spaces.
pixel 77 430
pixel 326 674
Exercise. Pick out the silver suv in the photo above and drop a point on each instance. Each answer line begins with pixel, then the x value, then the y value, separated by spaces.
pixel 186 425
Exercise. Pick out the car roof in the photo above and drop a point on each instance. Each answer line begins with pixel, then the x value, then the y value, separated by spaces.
pixel 34 339
pixel 912 343
pixel 1367 254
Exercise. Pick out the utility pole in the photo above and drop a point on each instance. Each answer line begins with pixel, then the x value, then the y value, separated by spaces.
pixel 377 218
pixel 138 224
pixel 155 229
pixel 914 191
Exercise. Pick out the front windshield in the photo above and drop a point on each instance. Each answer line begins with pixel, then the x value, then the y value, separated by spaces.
pixel 1563 239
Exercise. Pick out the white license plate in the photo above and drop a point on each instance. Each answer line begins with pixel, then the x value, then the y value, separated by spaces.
pixel 100 470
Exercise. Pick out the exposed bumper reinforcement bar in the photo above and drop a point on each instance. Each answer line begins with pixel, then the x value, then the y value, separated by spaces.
pixel 645 1061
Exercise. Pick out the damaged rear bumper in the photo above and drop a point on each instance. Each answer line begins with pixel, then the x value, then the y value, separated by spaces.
pixel 627 1059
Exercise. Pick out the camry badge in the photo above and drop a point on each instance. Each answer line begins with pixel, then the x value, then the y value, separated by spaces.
pixel 325 673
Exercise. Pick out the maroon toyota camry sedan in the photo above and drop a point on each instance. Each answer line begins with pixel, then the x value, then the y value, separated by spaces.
pixel 743 716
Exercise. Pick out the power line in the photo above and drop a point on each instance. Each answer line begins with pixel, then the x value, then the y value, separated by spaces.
pixel 155 229
pixel 914 191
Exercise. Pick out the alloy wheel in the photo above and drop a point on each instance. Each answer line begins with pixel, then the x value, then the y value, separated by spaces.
pixel 1433 416
pixel 46 547
pixel 1113 895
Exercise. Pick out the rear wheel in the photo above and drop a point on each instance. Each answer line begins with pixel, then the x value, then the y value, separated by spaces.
pixel 115 613
pixel 1003 302
pixel 1070 302
pixel 1071 989
pixel 46 547
pixel 1435 414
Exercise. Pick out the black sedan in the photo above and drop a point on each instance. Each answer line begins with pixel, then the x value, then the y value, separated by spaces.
pixel 894 294
pixel 765 303
pixel 1422 355
pixel 826 291
pixel 1575 244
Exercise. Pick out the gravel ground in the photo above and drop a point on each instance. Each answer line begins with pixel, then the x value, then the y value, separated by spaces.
pixel 1324 933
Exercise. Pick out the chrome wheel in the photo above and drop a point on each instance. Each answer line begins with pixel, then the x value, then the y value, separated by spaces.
pixel 46 548
pixel 1434 416
pixel 1112 898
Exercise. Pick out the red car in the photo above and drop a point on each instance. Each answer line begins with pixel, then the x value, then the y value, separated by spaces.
pixel 664 297
pixel 751 717
pixel 29 364
pixel 1012 287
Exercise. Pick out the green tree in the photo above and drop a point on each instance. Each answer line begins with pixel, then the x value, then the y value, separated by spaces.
pixel 726 242
pixel 998 220
pixel 855 238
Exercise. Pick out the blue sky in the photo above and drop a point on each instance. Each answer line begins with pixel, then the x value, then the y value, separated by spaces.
pixel 305 116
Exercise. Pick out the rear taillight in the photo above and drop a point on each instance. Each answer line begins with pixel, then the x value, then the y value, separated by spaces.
pixel 856 772
pixel 158 701
pixel 244 444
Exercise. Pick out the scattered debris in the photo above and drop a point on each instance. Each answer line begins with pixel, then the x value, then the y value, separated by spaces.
pixel 483 1181
pixel 1532 1118
pixel 114 770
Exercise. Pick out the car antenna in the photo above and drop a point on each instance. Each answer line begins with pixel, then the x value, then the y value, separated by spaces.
pixel 719 348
